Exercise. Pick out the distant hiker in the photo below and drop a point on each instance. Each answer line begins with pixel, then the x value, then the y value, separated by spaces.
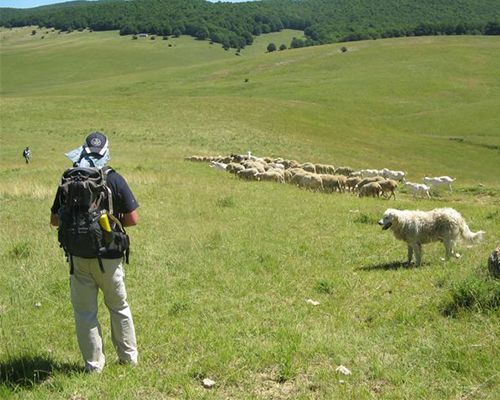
pixel 27 154
pixel 92 205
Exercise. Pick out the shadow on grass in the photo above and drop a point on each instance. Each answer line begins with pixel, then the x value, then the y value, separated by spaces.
pixel 28 371
pixel 386 266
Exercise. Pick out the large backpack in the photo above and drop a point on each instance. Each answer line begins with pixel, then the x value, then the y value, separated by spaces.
pixel 84 198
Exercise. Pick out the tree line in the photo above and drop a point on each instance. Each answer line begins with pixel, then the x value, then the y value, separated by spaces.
pixel 236 24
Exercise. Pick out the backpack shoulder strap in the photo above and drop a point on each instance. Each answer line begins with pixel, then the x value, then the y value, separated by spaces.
pixel 104 175
pixel 107 169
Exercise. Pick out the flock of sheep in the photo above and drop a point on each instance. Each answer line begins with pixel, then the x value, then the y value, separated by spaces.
pixel 322 177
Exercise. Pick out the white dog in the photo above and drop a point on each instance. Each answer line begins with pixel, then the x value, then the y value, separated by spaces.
pixel 419 227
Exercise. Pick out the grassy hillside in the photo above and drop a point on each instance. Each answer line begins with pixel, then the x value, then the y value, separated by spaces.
pixel 221 268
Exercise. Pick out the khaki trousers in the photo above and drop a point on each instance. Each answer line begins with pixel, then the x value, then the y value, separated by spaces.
pixel 85 283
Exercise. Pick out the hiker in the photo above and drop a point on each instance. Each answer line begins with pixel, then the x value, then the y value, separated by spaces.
pixel 27 154
pixel 96 245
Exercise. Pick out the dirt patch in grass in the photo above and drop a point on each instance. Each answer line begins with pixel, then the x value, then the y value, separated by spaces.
pixel 268 386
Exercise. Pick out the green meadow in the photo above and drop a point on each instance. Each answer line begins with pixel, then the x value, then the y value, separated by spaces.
pixel 221 268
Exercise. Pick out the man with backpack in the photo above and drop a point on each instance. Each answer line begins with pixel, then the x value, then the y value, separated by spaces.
pixel 27 155
pixel 92 206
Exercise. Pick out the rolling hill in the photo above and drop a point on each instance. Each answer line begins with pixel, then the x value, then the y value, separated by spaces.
pixel 222 269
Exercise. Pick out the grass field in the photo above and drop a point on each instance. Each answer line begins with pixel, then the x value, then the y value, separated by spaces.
pixel 221 268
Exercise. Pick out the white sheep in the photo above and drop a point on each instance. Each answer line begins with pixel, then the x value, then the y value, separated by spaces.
pixel 271 175
pixel 234 168
pixel 325 169
pixel 395 175
pixel 418 188
pixel 259 166
pixel 308 181
pixel 439 181
pixel 290 173
pixel 249 174
pixel 277 165
pixel 218 165
pixel 351 182
pixel 346 171
pixel 369 173
pixel 309 167
pixel 331 183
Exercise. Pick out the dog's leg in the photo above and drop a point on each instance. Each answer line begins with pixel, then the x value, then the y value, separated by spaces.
pixel 448 246
pixel 410 254
pixel 418 254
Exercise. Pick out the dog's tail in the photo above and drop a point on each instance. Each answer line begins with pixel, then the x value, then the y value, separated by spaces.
pixel 468 235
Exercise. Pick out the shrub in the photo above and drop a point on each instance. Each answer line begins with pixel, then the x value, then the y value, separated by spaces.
pixel 271 47
pixel 134 37
pixel 343 49
pixel 477 293
pixel 283 47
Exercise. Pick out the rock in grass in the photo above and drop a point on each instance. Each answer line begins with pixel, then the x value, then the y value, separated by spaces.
pixel 494 263
pixel 342 370
pixel 312 302
pixel 208 383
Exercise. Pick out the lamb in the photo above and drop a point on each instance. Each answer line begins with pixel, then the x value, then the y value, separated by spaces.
pixel 389 185
pixel 418 188
pixel 395 175
pixel 439 181
pixel 370 189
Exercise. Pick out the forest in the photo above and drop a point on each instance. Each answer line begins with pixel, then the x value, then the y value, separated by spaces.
pixel 236 24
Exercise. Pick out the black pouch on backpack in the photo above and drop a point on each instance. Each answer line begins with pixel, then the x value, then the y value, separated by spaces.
pixel 117 241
